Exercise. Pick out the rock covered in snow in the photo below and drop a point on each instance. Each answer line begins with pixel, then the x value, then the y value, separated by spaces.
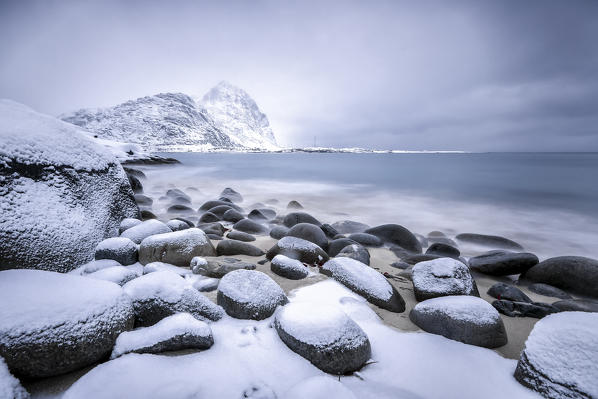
pixel 176 332
pixel 120 249
pixel 202 283
pixel 464 318
pixel 324 335
pixel 366 282
pixel 117 274
pixel 52 323
pixel 161 266
pixel 176 248
pixel 289 268
pixel 559 358
pixel 249 294
pixel 127 223
pixel 60 193
pixel 218 267
pixel 177 225
pixel 10 387
pixel 161 294
pixel 299 249
pixel 145 229
pixel 442 277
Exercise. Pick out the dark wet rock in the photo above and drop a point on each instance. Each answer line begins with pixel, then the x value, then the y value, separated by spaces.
pixel 297 248
pixel 177 225
pixel 216 237
pixel 178 208
pixel 175 193
pixel 508 292
pixel 234 247
pixel 214 203
pixel 336 246
pixel 324 335
pixel 232 215
pixel 576 305
pixel 249 294
pixel 135 183
pixel 349 227
pixel 212 228
pixel 357 252
pixel 143 200
pixel 536 310
pixel 231 194
pixel 251 227
pixel 400 265
pixel 573 273
pixel 442 240
pixel 443 250
pixel 267 212
pixel 397 235
pixel 240 236
pixel 208 217
pixel 465 319
pixel 309 232
pixel 294 218
pixel 278 232
pixel 415 259
pixel 329 230
pixel 423 241
pixel 216 267
pixel 176 248
pixel 189 223
pixel 262 262
pixel 442 277
pixel 120 249
pixel 294 205
pixel 134 172
pixel 146 214
pixel 151 160
pixel 548 290
pixel 181 200
pixel 503 263
pixel 490 241
pixel 257 215
pixel 288 268
pixel 220 210
pixel 365 239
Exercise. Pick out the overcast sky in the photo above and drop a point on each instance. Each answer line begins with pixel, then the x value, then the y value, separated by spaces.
pixel 455 75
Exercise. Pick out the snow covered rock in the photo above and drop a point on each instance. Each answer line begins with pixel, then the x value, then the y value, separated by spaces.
pixel 202 283
pixel 177 225
pixel 10 387
pixel 120 249
pixel 249 294
pixel 145 229
pixel 442 277
pixel 366 282
pixel 236 113
pixel 93 266
pixel 117 274
pixel 559 359
pixel 60 193
pixel 299 249
pixel 218 267
pixel 464 318
pixel 176 248
pixel 161 294
pixel 176 332
pixel 235 247
pixel 289 268
pixel 127 223
pixel 324 335
pixel 161 266
pixel 52 323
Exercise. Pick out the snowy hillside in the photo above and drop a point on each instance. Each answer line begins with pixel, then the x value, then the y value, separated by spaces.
pixel 229 120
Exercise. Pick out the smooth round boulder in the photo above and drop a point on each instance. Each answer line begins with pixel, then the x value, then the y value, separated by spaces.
pixel 249 294
pixel 294 218
pixel 117 274
pixel 489 241
pixel 211 204
pixel 232 215
pixel 573 273
pixel 146 214
pixel 324 335
pixel 177 225
pixel 127 223
pixel 297 248
pixel 508 292
pixel 179 208
pixel 143 200
pixel 231 194
pixel 442 277
pixel 365 239
pixel 536 310
pixel 234 247
pixel 120 249
pixel 576 305
pixel 309 232
pixel 257 215
pixel 548 290
pixel 294 205
pixel 240 236
pixel 175 193
pixel 176 248
pixel 329 230
pixel 559 358
pixel 336 246
pixel 147 228
pixel 357 252
pixel 503 263
pixel 208 217
pixel 443 250
pixel 53 323
pixel 250 226
pixel 349 227
pixel 463 318
pixel 288 268
pixel 278 232
pixel 397 235
pixel 220 210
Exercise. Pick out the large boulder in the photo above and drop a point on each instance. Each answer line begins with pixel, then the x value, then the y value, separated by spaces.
pixel 559 359
pixel 574 273
pixel 249 294
pixel 120 249
pixel 548 290
pixel 143 230
pixel 176 248
pixel 60 193
pixel 467 319
pixel 365 239
pixel 489 241
pixel 235 247
pixel 251 227
pixel 365 281
pixel 503 263
pixel 161 294
pixel 294 218
pixel 397 235
pixel 309 232
pixel 324 335
pixel 299 249
pixel 52 323
pixel 442 277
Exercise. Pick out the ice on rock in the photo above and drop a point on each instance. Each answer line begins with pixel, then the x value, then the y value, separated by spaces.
pixel 116 274
pixel 53 323
pixel 145 229
pixel 176 332
pixel 365 281
pixel 163 293
pixel 442 277
pixel 10 387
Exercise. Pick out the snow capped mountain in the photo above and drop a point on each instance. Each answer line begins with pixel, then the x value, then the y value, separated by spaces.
pixel 226 118
pixel 237 114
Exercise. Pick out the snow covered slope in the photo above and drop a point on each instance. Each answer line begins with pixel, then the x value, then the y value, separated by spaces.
pixel 226 118
pixel 237 114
